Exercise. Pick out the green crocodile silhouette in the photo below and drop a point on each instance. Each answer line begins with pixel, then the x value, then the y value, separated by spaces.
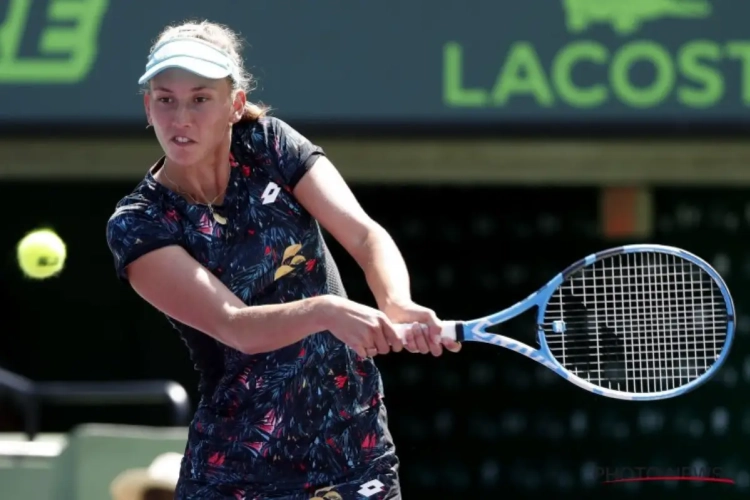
pixel 626 16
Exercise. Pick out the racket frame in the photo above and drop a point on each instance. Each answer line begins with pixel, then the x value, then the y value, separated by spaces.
pixel 475 330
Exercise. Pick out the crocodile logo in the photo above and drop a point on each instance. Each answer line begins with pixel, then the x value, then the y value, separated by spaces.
pixel 627 16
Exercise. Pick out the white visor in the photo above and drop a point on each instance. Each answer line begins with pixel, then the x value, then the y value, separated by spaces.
pixel 192 55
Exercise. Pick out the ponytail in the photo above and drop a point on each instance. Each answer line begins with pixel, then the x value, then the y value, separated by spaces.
pixel 253 112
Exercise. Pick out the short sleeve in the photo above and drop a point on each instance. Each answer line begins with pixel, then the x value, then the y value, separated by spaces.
pixel 295 154
pixel 135 230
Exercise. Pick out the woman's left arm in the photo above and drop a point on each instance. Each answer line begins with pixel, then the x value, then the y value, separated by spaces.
pixel 324 193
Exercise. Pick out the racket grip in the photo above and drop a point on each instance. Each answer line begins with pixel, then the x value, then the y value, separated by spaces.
pixel 447 331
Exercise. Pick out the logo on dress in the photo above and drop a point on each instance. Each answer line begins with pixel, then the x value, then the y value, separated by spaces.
pixel 290 261
pixel 371 488
pixel 270 193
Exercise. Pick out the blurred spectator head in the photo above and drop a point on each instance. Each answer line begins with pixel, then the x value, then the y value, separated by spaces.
pixel 156 482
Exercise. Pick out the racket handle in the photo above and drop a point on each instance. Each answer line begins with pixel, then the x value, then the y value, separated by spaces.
pixel 447 331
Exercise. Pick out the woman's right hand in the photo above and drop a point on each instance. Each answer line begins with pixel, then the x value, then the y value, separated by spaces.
pixel 366 330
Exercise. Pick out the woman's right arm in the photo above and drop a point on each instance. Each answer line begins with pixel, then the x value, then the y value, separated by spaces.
pixel 179 286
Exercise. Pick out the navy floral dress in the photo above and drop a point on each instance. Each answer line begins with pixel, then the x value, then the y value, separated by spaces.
pixel 306 421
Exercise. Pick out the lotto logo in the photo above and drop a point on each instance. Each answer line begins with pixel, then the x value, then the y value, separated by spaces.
pixel 370 488
pixel 270 193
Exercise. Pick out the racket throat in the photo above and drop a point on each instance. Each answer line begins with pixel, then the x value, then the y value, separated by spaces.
pixel 527 332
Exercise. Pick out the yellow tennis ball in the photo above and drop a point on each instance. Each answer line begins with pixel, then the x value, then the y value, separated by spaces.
pixel 41 254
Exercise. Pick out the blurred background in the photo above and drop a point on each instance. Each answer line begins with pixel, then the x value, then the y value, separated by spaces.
pixel 497 141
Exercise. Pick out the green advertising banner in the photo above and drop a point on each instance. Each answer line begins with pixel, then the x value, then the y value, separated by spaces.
pixel 433 62
pixel 66 36
pixel 613 59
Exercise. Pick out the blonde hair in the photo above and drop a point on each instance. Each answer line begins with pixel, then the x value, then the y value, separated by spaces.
pixel 226 39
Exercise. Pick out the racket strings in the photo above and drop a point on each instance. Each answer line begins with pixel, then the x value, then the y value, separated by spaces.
pixel 637 322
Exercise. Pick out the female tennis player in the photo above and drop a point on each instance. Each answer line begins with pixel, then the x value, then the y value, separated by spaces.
pixel 223 236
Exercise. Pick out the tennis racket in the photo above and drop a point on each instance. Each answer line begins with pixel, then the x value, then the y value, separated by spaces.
pixel 636 322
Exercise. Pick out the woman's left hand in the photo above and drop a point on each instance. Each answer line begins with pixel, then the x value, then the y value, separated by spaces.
pixel 424 336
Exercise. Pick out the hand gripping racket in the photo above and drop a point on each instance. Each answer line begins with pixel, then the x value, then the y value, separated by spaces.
pixel 637 322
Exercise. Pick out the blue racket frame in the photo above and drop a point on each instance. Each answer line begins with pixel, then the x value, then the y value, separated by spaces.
pixel 475 330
